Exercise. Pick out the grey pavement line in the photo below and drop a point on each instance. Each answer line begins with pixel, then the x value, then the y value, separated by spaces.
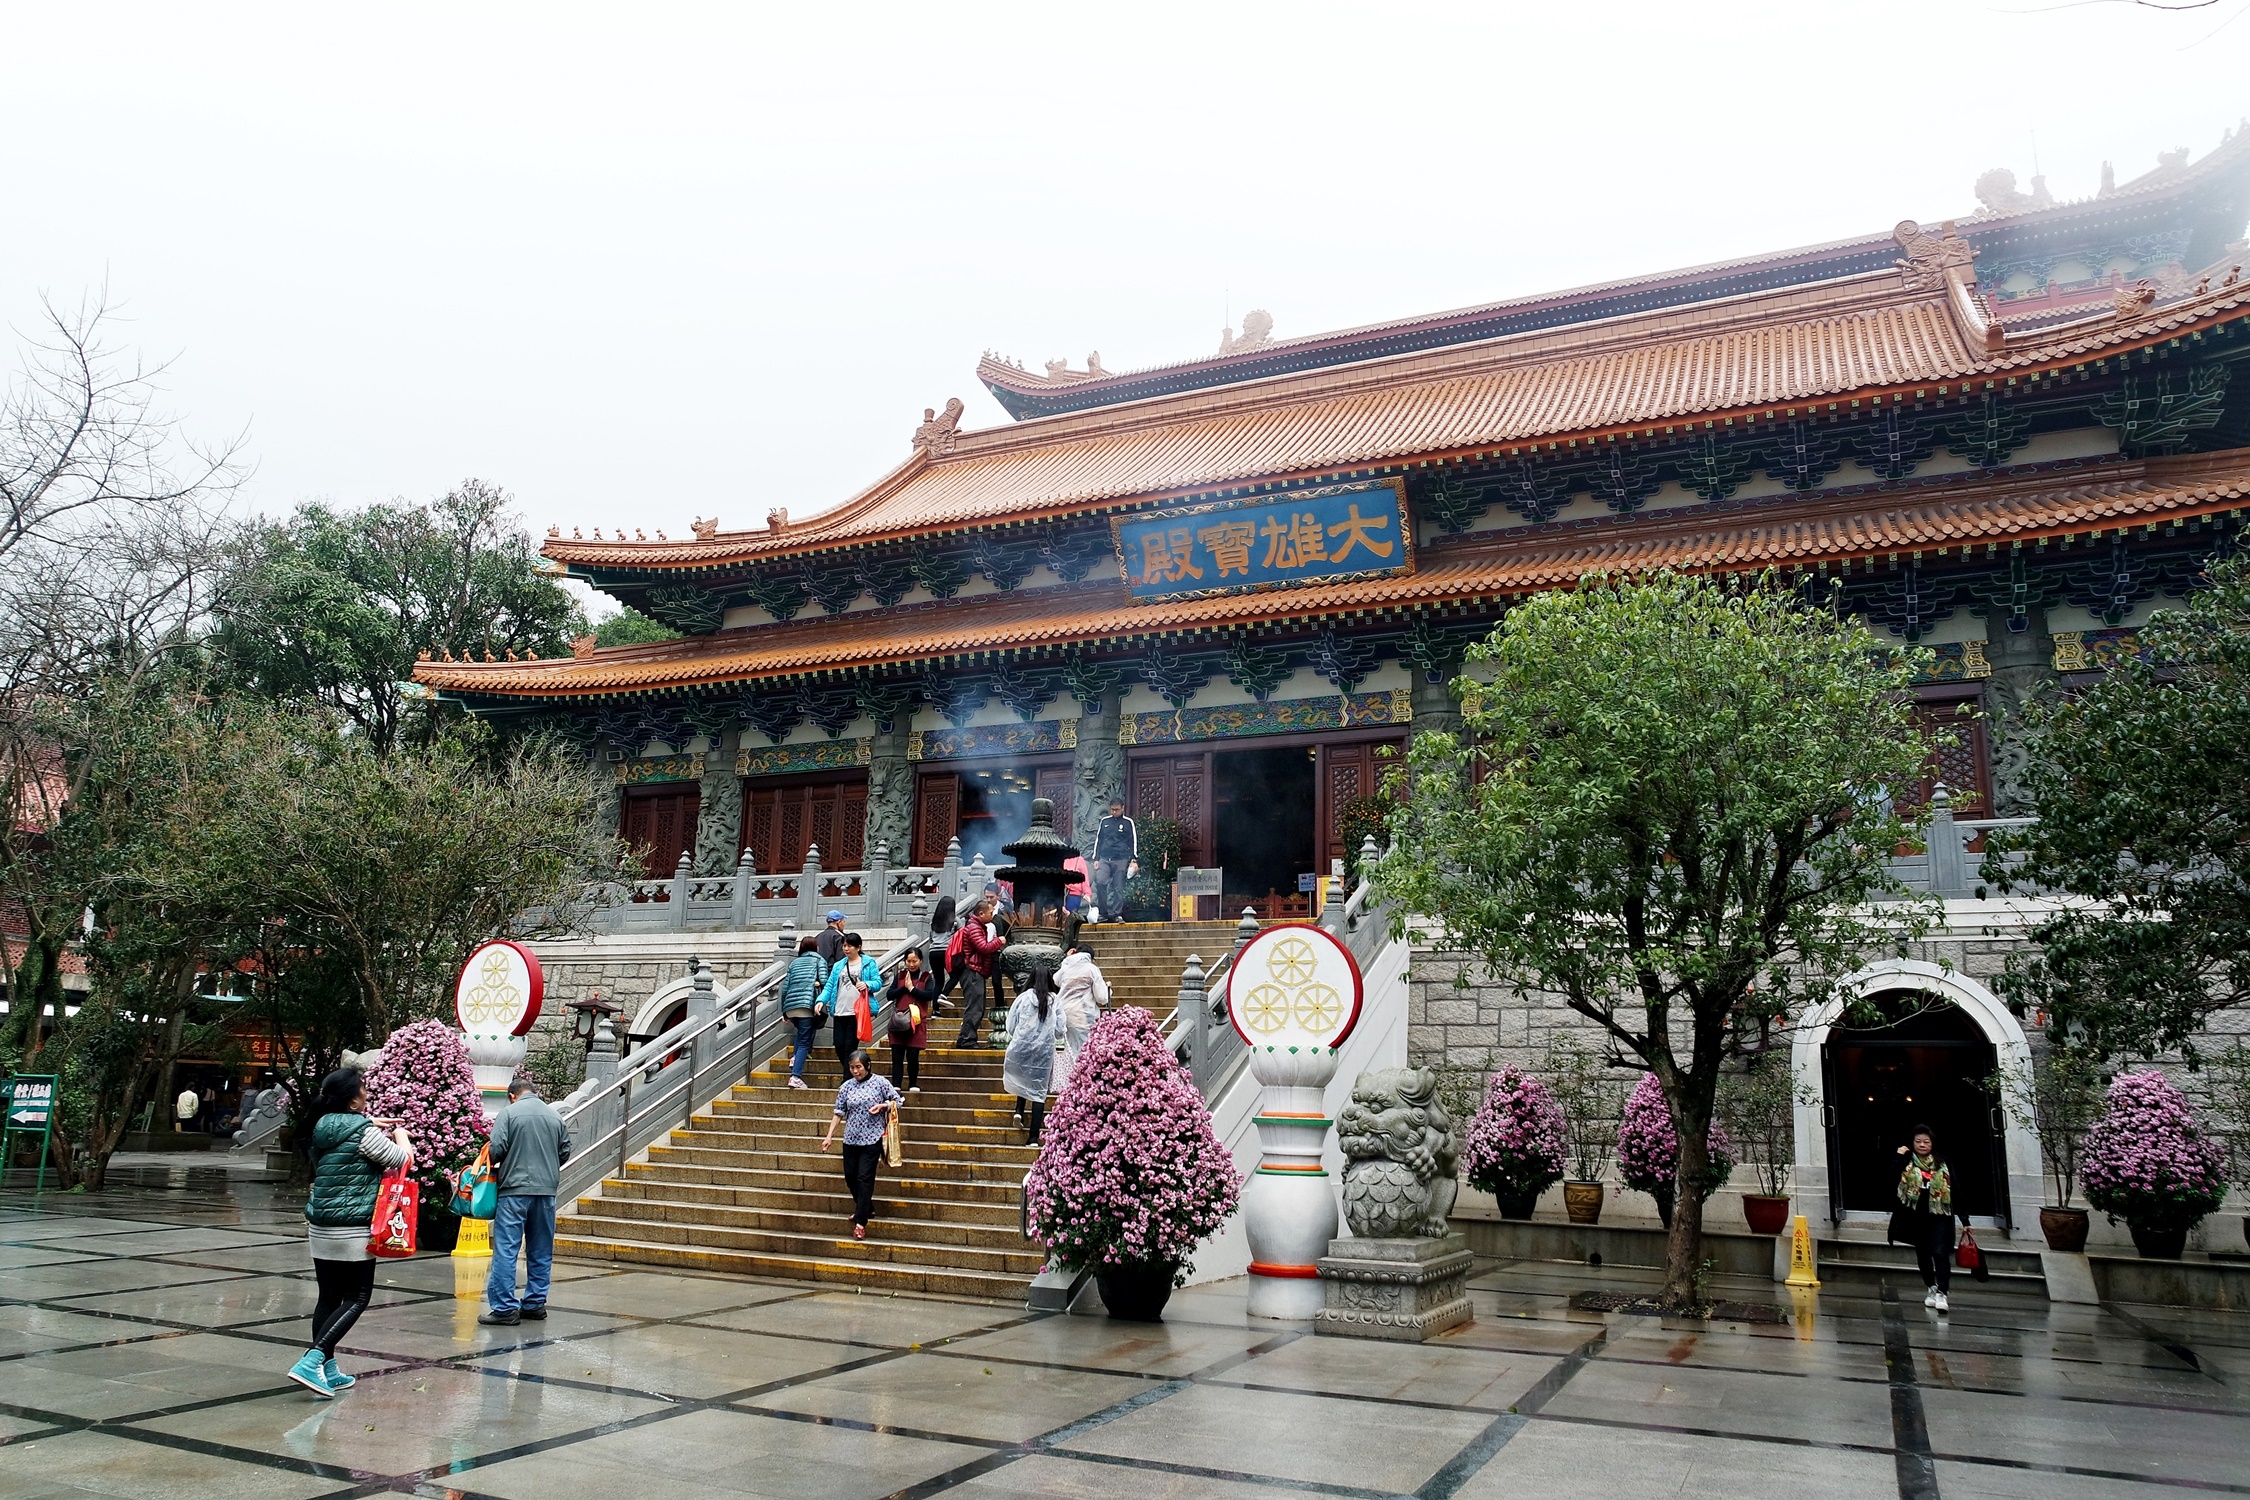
pixel 1910 1428
pixel 1481 1449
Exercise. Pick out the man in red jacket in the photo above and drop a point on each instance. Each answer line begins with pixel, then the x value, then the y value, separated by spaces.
pixel 980 947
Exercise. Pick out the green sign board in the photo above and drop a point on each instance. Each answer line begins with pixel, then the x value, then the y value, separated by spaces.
pixel 31 1108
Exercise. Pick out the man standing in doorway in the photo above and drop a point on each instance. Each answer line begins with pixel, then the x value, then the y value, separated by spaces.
pixel 830 944
pixel 1117 855
pixel 529 1144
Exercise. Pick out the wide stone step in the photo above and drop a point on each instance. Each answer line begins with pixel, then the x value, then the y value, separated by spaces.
pixel 944 1281
pixel 925 1108
pixel 1874 1259
pixel 928 1199
pixel 691 1150
pixel 918 1180
pixel 927 1146
pixel 777 1128
pixel 907 1224
pixel 879 1246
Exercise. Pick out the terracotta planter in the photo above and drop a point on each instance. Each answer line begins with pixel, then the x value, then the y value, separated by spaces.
pixel 1516 1205
pixel 2065 1228
pixel 1583 1201
pixel 1136 1293
pixel 2158 1244
pixel 1768 1213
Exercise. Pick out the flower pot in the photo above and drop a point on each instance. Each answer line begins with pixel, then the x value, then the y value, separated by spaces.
pixel 2065 1228
pixel 1768 1213
pixel 1583 1201
pixel 2158 1244
pixel 1516 1205
pixel 1136 1293
pixel 1663 1197
pixel 436 1231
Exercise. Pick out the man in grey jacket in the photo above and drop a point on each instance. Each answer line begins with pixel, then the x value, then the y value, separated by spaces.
pixel 530 1143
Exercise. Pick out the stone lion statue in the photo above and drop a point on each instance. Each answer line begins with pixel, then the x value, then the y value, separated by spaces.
pixel 1401 1153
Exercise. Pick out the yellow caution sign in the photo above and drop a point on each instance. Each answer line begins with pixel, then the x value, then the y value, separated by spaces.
pixel 1804 1311
pixel 1801 1271
pixel 475 1242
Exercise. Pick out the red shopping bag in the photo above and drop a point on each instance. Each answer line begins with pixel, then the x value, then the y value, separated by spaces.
pixel 397 1204
pixel 866 1015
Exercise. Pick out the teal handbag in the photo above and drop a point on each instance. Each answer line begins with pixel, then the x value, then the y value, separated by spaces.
pixel 475 1194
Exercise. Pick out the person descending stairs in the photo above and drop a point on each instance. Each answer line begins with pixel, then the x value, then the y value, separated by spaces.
pixel 744 1186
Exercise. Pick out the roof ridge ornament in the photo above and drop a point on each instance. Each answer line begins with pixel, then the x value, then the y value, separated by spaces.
pixel 937 432
pixel 1930 256
pixel 1257 332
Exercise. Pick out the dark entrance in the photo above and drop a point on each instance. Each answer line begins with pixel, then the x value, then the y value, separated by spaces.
pixel 1926 1067
pixel 1263 806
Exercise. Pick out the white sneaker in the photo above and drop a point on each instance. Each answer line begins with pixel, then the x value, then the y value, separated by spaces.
pixel 1929 1298
pixel 796 1083
pixel 1940 1304
pixel 916 1089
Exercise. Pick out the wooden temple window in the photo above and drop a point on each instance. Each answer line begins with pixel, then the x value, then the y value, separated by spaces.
pixel 782 817
pixel 1964 766
pixel 659 824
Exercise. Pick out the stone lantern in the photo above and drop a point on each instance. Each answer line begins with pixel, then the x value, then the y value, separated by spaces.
pixel 1036 931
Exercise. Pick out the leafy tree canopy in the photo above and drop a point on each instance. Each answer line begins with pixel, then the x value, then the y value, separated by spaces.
pixel 333 606
pixel 1668 806
pixel 2142 785
pixel 629 627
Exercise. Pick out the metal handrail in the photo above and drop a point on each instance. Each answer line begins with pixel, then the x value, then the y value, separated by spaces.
pixel 678 1066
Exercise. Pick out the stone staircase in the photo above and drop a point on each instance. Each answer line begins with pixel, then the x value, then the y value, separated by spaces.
pixel 1864 1262
pixel 745 1188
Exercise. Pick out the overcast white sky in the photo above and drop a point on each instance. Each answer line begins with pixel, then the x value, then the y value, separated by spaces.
pixel 641 263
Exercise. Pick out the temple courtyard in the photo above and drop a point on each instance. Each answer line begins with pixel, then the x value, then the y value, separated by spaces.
pixel 144 1332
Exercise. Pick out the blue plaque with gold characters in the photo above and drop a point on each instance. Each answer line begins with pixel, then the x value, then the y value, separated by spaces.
pixel 1322 535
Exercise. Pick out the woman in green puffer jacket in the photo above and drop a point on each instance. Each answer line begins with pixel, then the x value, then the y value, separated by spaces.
pixel 350 1154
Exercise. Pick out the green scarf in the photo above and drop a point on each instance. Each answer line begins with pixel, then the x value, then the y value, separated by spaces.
pixel 1925 1172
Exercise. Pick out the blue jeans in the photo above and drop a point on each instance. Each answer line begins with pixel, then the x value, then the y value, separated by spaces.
pixel 806 1025
pixel 527 1224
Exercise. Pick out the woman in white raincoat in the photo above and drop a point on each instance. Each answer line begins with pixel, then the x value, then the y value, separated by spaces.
pixel 1085 995
pixel 1028 1070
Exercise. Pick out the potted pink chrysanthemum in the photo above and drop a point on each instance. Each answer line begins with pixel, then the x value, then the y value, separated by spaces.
pixel 1648 1148
pixel 1513 1148
pixel 426 1081
pixel 1130 1178
pixel 2148 1162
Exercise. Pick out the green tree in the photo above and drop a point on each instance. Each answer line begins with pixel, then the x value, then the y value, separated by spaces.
pixel 2143 794
pixel 334 607
pixel 1668 808
pixel 629 627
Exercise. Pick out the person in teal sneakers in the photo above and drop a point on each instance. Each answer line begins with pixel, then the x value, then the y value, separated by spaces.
pixel 350 1154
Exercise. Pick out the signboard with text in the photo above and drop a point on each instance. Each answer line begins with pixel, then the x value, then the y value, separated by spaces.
pixel 31 1101
pixel 1321 535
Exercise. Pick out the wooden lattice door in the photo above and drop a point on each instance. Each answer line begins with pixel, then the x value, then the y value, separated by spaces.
pixel 780 823
pixel 1177 787
pixel 1058 784
pixel 1347 772
pixel 1965 766
pixel 660 826
pixel 937 815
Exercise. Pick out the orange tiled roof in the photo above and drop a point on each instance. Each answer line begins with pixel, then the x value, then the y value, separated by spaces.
pixel 1477 567
pixel 1853 337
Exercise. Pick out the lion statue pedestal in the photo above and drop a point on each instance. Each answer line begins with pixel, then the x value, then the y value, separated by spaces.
pixel 1401 1276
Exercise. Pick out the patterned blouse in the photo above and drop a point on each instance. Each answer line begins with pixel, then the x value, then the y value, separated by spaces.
pixel 862 1126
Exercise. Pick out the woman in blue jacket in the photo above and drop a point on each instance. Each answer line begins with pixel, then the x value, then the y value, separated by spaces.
pixel 854 982
pixel 800 1002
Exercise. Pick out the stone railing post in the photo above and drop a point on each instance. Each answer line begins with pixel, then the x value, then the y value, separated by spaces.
pixel 785 947
pixel 1195 1010
pixel 1332 910
pixel 682 874
pixel 601 1071
pixel 1244 931
pixel 702 1005
pixel 879 885
pixel 921 915
pixel 1948 875
pixel 808 890
pixel 975 879
pixel 950 883
pixel 745 879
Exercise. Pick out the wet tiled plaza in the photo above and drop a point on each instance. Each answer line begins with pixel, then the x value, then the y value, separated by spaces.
pixel 144 1332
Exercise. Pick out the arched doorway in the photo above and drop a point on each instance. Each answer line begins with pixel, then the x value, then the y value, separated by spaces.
pixel 1924 1062
pixel 1860 1088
